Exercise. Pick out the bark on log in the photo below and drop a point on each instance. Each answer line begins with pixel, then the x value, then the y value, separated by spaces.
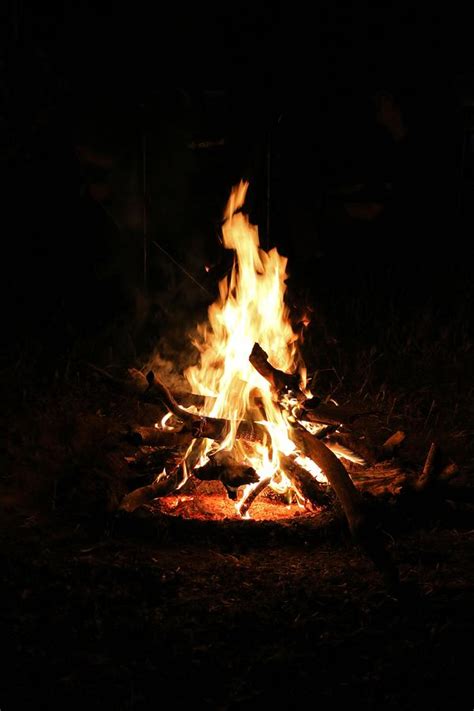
pixel 162 486
pixel 428 474
pixel 252 495
pixel 304 483
pixel 328 414
pixel 230 473
pixel 202 426
pixel 361 526
pixel 159 438
pixel 279 380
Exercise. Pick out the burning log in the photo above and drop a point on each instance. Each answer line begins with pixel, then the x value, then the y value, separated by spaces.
pixel 158 438
pixel 360 525
pixel 328 414
pixel 450 471
pixel 279 380
pixel 202 426
pixel 247 502
pixel 223 467
pixel 163 485
pixel 304 483
pixel 335 473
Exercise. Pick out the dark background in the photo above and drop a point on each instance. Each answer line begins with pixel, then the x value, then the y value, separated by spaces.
pixel 282 95
pixel 102 614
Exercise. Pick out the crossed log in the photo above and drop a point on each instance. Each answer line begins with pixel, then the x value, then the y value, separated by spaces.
pixel 360 524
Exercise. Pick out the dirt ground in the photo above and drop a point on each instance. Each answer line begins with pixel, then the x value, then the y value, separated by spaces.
pixel 101 610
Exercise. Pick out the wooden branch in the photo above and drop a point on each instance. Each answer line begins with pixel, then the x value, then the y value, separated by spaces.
pixel 202 426
pixel 279 380
pixel 313 409
pixel 162 486
pixel 227 470
pixel 305 484
pixel 450 471
pixel 156 437
pixel 360 525
pixel 247 502
pixel 329 414
pixel 428 473
pixel 335 473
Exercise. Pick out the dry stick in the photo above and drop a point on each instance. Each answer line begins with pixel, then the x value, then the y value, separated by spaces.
pixel 428 473
pixel 157 437
pixel 449 472
pixel 252 495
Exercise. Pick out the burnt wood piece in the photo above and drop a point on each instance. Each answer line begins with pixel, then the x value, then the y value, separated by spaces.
pixel 228 471
pixel 279 380
pixel 326 431
pixel 163 485
pixel 328 414
pixel 380 482
pixel 428 473
pixel 223 466
pixel 361 525
pixel 137 384
pixel 305 484
pixel 202 426
pixel 252 495
pixel 450 471
pixel 156 437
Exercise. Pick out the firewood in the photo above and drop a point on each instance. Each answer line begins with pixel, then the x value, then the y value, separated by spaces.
pixel 163 485
pixel 361 526
pixel 202 426
pixel 304 483
pixel 329 414
pixel 225 469
pixel 313 409
pixel 153 436
pixel 393 442
pixel 247 502
pixel 450 471
pixel 428 473
pixel 279 380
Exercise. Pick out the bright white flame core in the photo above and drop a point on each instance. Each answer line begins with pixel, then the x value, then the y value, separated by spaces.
pixel 250 309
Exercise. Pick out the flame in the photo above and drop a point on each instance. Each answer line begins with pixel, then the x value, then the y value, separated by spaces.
pixel 250 309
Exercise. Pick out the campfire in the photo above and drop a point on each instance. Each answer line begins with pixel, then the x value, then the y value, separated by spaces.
pixel 255 427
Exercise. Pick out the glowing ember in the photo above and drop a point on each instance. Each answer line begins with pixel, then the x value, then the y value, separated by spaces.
pixel 250 309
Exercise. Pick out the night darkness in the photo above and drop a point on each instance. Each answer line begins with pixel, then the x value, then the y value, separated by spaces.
pixel 123 130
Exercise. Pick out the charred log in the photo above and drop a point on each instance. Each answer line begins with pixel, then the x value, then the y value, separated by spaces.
pixel 304 483
pixel 329 414
pixel 222 467
pixel 361 526
pixel 202 426
pixel 279 380
pixel 163 485
pixel 428 473
pixel 153 436
pixel 252 495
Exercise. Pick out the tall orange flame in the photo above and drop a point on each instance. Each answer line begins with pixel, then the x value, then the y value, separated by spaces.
pixel 250 309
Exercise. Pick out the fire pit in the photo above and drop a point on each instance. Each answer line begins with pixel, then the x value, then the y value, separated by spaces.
pixel 256 434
